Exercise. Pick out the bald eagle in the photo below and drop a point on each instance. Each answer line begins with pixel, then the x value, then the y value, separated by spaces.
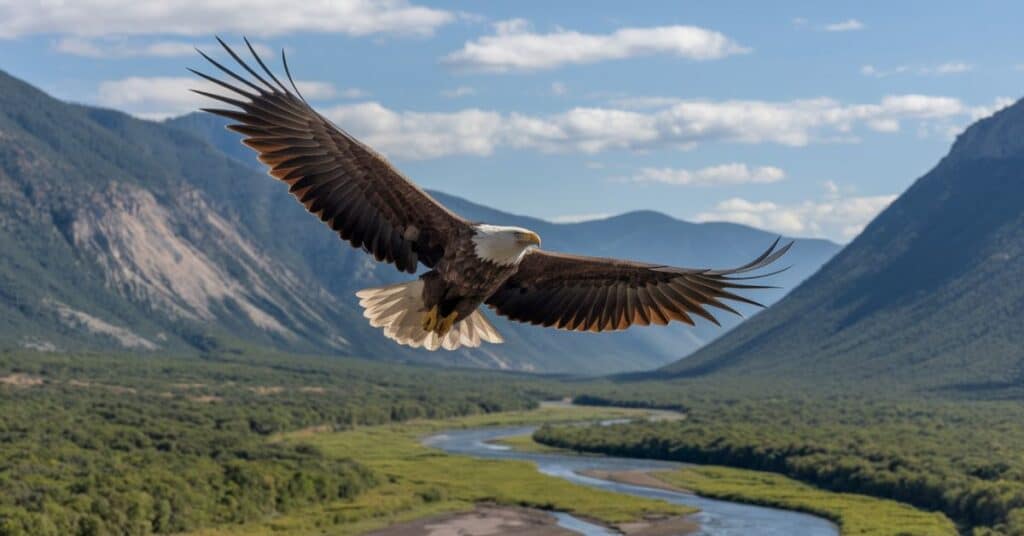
pixel 370 204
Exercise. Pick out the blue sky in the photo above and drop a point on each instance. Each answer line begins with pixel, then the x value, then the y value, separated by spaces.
pixel 804 118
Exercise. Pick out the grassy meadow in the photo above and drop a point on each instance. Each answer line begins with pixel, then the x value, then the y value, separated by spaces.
pixel 418 481
pixel 855 514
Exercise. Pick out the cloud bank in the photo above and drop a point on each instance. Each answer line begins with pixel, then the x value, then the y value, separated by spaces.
pixel 673 124
pixel 91 18
pixel 720 175
pixel 513 47
pixel 839 219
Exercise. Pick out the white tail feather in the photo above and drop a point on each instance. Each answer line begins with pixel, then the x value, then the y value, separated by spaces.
pixel 398 310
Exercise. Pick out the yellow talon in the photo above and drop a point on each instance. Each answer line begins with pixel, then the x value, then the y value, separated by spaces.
pixel 430 319
pixel 447 323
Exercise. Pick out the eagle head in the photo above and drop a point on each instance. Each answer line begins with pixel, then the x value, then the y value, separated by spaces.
pixel 503 245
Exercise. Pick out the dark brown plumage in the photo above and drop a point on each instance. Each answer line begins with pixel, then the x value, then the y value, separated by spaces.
pixel 346 184
pixel 370 204
pixel 595 294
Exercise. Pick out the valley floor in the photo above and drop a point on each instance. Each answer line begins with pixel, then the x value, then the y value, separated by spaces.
pixel 229 445
pixel 419 481
pixel 428 488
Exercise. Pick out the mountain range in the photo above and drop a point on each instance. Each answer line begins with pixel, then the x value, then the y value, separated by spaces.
pixel 930 295
pixel 127 235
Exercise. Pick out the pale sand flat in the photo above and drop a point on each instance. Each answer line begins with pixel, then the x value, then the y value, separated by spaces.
pixel 482 521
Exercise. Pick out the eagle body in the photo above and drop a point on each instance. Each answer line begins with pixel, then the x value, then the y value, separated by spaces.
pixel 461 283
pixel 359 195
pixel 440 309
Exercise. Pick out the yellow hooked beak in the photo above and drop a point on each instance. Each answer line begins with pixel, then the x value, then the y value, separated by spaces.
pixel 528 238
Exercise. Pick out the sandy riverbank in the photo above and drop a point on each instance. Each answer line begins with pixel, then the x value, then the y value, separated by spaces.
pixel 635 478
pixel 487 520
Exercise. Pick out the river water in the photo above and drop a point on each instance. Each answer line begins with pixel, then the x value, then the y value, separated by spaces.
pixel 716 518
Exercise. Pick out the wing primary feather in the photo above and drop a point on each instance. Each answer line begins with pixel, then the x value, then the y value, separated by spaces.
pixel 287 71
pixel 668 307
pixel 609 317
pixel 582 312
pixel 221 83
pixel 319 169
pixel 619 319
pixel 729 283
pixel 628 307
pixel 318 194
pixel 237 116
pixel 247 130
pixel 672 291
pixel 222 98
pixel 722 293
pixel 558 308
pixel 752 265
pixel 773 257
pixel 231 73
pixel 553 307
pixel 702 298
pixel 653 310
pixel 758 276
pixel 597 309
pixel 260 61
pixel 244 65
pixel 568 307
pixel 641 316
pixel 769 256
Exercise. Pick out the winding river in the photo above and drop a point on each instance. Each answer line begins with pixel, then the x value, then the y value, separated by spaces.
pixel 716 518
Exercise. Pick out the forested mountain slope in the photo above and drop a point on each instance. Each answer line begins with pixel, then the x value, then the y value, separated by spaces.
pixel 930 294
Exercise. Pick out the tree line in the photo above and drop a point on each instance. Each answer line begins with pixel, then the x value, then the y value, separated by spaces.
pixel 962 458
pixel 98 445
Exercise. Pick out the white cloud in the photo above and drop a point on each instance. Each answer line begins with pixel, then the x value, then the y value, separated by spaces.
pixel 579 218
pixel 681 125
pixel 884 125
pixel 422 134
pixel 202 17
pixel 925 106
pixel 461 91
pixel 848 25
pixel 162 97
pixel 952 67
pixel 558 89
pixel 112 48
pixel 949 128
pixel 979 112
pixel 871 70
pixel 799 21
pixel 348 93
pixel 514 47
pixel 720 175
pixel 942 69
pixel 836 218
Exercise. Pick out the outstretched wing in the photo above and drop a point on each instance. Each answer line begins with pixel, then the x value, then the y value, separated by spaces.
pixel 346 184
pixel 595 294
